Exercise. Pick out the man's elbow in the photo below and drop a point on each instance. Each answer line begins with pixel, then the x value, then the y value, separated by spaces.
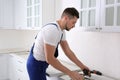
pixel 50 60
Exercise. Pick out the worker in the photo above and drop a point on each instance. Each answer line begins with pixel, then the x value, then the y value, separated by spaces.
pixel 44 51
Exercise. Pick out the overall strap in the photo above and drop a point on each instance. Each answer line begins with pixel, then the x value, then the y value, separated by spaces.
pixel 44 26
pixel 56 51
pixel 48 24
pixel 51 24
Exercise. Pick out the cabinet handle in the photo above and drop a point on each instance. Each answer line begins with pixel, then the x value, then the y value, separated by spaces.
pixel 20 61
pixel 100 28
pixel 20 70
pixel 96 28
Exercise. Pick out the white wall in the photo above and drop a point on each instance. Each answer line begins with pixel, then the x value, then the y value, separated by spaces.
pixel 98 50
pixel 22 39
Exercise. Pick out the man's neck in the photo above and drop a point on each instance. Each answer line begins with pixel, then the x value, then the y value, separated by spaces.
pixel 60 24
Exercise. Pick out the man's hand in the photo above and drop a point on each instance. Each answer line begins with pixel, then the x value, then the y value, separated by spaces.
pixel 76 76
pixel 87 72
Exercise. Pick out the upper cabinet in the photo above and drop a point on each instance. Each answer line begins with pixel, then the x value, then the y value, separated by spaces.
pixel 34 13
pixel 110 15
pixel 26 14
pixel 38 13
pixel 6 13
pixel 89 14
pixel 100 15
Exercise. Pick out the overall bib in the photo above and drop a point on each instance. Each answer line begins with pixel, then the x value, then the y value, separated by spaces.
pixel 37 69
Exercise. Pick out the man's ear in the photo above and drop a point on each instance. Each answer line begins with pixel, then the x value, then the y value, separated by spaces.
pixel 66 17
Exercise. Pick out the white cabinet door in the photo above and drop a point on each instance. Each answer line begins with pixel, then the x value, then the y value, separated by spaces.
pixel 12 68
pixel 6 14
pixel 17 68
pixel 110 15
pixel 21 69
pixel 3 66
pixel 100 15
pixel 89 15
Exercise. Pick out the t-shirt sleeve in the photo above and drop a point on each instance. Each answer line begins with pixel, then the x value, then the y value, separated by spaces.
pixel 51 35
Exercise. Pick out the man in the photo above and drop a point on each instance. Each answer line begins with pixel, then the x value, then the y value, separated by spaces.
pixel 44 50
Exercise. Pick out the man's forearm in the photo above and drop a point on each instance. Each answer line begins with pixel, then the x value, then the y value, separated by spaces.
pixel 74 59
pixel 56 64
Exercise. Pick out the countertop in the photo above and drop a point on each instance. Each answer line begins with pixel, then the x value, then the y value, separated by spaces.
pixel 54 72
pixel 13 50
pixel 50 70
pixel 93 77
pixel 22 54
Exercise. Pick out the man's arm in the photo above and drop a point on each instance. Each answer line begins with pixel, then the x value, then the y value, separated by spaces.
pixel 49 53
pixel 69 53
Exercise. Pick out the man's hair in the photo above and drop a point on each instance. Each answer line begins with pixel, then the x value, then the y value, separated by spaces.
pixel 71 12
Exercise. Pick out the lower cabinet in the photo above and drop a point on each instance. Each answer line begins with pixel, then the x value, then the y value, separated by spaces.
pixel 17 68
pixel 3 66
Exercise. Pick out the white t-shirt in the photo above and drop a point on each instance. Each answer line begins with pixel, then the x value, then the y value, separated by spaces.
pixel 49 34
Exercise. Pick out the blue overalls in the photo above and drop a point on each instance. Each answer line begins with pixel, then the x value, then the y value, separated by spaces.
pixel 37 69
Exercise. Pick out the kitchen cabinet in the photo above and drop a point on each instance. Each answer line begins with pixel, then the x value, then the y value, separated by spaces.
pixel 89 15
pixel 6 14
pixel 34 11
pixel 12 68
pixel 110 15
pixel 12 14
pixel 26 14
pixel 17 68
pixel 3 66
pixel 100 15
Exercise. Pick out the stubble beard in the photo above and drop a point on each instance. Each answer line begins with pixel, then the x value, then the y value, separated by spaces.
pixel 66 28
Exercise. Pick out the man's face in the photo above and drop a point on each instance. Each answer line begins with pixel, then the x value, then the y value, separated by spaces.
pixel 70 23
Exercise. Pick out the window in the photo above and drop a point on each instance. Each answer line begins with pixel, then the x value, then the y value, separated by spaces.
pixel 100 15
pixel 34 13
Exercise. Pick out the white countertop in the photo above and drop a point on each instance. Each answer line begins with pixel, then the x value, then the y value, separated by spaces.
pixel 54 72
pixel 50 70
pixel 23 54
pixel 13 50
pixel 93 77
